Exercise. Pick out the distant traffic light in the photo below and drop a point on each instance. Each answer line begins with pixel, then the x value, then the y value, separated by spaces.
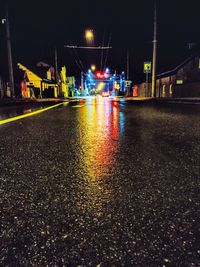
pixel 101 75
pixel 98 75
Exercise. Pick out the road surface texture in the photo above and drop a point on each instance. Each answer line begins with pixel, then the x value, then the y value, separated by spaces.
pixel 101 183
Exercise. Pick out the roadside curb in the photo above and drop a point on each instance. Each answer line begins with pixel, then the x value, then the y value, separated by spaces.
pixel 182 100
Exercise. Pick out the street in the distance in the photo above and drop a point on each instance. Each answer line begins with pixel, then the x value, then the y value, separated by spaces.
pixel 101 182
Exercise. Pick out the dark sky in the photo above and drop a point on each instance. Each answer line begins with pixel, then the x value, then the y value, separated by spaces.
pixel 38 26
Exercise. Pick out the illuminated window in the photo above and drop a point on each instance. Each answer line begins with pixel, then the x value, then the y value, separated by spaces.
pixel 170 90
pixel 179 81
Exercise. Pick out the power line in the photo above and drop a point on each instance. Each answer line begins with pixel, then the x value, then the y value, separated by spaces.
pixel 88 47
pixel 79 60
pixel 102 52
pixel 109 40
pixel 77 63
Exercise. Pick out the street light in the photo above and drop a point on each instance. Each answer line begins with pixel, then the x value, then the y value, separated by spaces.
pixel 89 35
pixel 93 67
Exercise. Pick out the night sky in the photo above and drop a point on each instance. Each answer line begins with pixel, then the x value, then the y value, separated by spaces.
pixel 38 26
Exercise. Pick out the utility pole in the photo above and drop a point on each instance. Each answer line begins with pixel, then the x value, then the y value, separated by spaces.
pixel 82 83
pixel 127 71
pixel 56 64
pixel 127 65
pixel 147 81
pixel 10 64
pixel 153 92
pixel 56 70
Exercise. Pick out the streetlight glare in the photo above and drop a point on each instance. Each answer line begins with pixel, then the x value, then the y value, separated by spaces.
pixel 93 67
pixel 89 36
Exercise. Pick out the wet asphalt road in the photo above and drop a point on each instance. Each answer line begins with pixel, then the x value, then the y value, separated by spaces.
pixel 101 183
pixel 16 110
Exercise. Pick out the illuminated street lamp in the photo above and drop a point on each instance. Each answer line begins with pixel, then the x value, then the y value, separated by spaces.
pixel 89 36
pixel 93 67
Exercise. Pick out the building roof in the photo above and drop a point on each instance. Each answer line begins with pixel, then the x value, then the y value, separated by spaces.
pixel 42 64
pixel 48 81
pixel 178 67
pixel 40 69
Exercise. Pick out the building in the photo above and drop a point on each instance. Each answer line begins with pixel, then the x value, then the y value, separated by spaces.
pixel 64 87
pixel 2 88
pixel 71 85
pixel 40 82
pixel 182 81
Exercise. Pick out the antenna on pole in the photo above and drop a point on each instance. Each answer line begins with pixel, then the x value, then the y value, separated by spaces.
pixel 153 92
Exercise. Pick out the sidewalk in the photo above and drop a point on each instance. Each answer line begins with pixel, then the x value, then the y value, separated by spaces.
pixel 183 100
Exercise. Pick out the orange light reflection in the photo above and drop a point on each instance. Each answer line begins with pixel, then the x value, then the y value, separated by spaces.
pixel 99 131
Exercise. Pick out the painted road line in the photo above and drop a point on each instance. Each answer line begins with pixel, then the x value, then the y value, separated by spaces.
pixel 28 114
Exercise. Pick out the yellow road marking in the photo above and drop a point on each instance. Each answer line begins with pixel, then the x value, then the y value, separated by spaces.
pixel 28 114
